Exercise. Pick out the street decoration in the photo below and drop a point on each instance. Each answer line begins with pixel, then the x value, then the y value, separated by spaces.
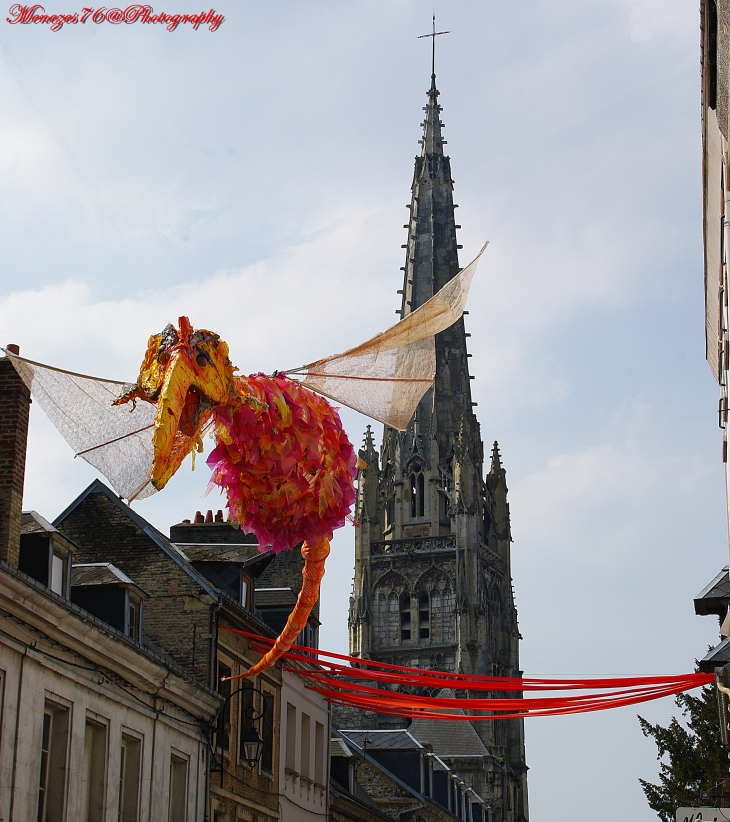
pixel 281 454
pixel 418 693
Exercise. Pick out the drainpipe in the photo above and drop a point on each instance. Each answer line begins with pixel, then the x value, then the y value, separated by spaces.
pixel 724 284
pixel 215 608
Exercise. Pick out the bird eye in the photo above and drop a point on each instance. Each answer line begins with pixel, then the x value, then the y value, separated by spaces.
pixel 201 360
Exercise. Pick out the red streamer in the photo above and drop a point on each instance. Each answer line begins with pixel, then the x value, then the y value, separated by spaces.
pixel 368 685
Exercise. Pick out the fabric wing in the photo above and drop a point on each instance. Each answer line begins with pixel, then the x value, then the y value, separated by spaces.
pixel 116 440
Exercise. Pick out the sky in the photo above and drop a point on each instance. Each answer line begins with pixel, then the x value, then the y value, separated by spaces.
pixel 255 177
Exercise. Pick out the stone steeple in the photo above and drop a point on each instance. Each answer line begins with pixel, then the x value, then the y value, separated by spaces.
pixel 432 583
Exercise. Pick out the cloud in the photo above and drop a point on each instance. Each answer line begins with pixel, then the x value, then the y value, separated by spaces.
pixel 658 19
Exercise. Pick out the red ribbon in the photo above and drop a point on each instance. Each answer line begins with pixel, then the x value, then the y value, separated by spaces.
pixel 356 684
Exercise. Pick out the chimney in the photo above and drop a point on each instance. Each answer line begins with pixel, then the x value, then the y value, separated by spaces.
pixel 14 413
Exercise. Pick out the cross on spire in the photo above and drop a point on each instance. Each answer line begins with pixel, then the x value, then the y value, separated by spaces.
pixel 434 34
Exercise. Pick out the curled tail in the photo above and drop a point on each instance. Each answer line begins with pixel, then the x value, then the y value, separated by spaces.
pixel 314 556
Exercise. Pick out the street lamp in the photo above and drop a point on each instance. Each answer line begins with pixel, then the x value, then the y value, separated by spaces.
pixel 253 746
pixel 252 743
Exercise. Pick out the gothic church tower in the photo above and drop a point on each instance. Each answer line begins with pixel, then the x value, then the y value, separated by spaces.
pixel 433 585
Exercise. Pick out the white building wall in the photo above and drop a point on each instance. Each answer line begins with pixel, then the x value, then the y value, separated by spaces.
pixel 304 797
pixel 29 677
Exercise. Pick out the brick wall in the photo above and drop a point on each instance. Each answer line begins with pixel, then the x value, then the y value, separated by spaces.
pixel 176 617
pixel 14 412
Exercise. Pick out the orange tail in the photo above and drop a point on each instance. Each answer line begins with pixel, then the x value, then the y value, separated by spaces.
pixel 312 573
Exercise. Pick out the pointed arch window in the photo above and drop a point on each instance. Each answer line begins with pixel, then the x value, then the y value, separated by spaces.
pixel 435 597
pixel 424 615
pixel 405 616
pixel 387 618
pixel 418 492
pixel 391 633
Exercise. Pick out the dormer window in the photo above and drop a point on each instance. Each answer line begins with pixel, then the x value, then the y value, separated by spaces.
pixel 110 595
pixel 45 554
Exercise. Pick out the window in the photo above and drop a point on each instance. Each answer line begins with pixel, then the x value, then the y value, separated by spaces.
pixel 54 747
pixel 44 561
pixel 319 753
pixel 424 615
pixel 130 772
pixel 267 732
pixel 435 608
pixel 305 741
pixel 93 775
pixel 244 592
pixel 418 494
pixel 178 789
pixel 133 613
pixel 405 616
pixel 291 736
pixel 246 721
pixel 391 611
pixel 57 574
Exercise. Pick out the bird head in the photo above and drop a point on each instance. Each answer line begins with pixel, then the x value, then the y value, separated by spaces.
pixel 188 374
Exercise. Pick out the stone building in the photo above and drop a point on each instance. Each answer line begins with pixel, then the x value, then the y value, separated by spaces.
pixel 715 89
pixel 114 641
pixel 94 724
pixel 433 585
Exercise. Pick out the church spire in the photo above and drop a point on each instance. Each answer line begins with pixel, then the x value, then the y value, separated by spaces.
pixel 432 141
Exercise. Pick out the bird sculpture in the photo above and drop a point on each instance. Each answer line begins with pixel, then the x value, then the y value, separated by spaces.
pixel 281 454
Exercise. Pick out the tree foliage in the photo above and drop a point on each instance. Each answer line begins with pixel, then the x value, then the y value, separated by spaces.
pixel 692 758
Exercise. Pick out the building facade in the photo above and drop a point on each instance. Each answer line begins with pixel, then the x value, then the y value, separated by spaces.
pixel 715 89
pixel 433 586
pixel 115 642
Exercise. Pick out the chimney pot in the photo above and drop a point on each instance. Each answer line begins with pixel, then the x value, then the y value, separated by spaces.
pixel 209 516
pixel 13 349
pixel 219 516
pixel 198 517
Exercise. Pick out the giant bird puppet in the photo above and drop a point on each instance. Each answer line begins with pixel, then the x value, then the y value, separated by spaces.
pixel 281 455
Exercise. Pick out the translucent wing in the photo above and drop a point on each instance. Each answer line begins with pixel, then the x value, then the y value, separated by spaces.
pixel 116 440
pixel 386 376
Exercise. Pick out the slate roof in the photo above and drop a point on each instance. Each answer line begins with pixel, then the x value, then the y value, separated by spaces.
pixel 31 522
pixel 217 552
pixel 339 748
pixel 275 598
pixel 449 739
pixel 348 736
pixel 715 597
pixel 98 573
pixel 85 574
pixel 98 487
pixel 399 740
pixel 717 657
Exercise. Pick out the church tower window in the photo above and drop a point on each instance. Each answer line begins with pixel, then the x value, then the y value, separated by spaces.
pixel 424 615
pixel 405 616
pixel 418 494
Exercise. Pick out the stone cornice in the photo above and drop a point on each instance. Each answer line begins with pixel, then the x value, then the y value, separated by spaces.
pixel 101 644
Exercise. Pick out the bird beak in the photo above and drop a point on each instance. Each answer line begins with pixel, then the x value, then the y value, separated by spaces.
pixel 183 409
